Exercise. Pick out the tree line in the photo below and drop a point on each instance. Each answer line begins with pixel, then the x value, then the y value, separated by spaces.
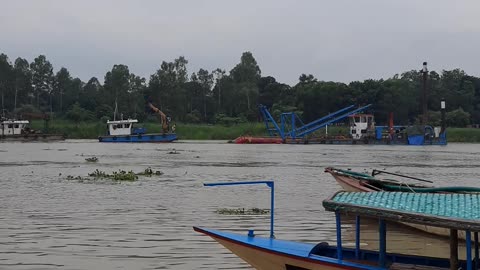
pixel 219 96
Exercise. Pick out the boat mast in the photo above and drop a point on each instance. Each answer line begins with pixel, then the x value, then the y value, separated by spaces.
pixel 115 111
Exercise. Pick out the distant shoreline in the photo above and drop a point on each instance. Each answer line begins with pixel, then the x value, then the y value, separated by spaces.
pixel 91 130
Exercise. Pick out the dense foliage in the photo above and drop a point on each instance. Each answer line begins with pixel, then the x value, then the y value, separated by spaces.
pixel 228 97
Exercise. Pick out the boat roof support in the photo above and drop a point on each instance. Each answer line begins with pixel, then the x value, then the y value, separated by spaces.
pixel 475 237
pixel 338 221
pixel 468 238
pixel 382 230
pixel 453 249
pixel 357 237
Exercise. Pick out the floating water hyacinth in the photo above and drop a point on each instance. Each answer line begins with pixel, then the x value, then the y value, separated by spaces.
pixel 120 175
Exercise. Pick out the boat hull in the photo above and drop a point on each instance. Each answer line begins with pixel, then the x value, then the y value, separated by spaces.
pixel 264 256
pixel 33 137
pixel 272 254
pixel 333 140
pixel 258 140
pixel 140 138
pixel 355 185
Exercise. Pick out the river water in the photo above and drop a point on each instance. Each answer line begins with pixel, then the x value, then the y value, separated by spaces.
pixel 50 222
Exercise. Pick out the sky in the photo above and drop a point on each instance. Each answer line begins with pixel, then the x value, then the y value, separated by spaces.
pixel 339 40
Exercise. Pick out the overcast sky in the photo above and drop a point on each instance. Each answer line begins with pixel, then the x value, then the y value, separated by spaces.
pixel 333 40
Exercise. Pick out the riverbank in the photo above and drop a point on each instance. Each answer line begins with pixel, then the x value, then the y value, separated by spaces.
pixel 91 130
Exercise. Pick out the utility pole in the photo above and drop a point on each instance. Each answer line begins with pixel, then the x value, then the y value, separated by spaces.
pixel 442 110
pixel 425 94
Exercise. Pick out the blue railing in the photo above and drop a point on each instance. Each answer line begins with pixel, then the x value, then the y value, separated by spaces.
pixel 270 184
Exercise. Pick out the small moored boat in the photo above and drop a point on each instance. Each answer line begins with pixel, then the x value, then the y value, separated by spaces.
pixel 18 130
pixel 124 131
pixel 356 181
pixel 442 210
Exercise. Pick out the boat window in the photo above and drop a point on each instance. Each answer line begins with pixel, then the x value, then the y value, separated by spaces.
pixel 363 119
pixel 10 126
pixel 126 125
pixel 357 119
pixel 16 125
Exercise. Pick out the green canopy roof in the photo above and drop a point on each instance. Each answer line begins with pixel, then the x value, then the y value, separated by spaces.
pixel 456 211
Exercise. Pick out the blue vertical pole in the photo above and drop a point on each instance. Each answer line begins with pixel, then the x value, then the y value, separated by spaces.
pixel 357 237
pixel 272 207
pixel 270 184
pixel 468 237
pixel 293 126
pixel 339 236
pixel 383 243
pixel 475 234
pixel 282 125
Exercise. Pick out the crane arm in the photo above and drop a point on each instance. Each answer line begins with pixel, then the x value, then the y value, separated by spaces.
pixel 161 116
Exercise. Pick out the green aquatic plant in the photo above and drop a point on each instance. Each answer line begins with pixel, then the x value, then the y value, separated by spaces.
pixel 122 175
pixel 99 174
pixel 242 211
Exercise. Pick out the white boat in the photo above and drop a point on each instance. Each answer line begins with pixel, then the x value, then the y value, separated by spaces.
pixel 124 131
pixel 18 130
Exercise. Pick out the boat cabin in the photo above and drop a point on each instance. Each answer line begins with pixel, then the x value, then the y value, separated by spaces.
pixel 456 212
pixel 361 125
pixel 12 127
pixel 121 127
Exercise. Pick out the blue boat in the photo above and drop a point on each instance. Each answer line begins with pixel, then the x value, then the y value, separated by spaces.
pixel 122 131
pixel 453 211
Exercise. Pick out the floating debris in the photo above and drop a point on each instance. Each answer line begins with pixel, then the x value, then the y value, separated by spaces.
pixel 173 152
pixel 149 172
pixel 71 177
pixel 242 211
pixel 92 159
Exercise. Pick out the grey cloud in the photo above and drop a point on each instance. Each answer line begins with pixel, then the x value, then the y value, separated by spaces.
pixel 334 40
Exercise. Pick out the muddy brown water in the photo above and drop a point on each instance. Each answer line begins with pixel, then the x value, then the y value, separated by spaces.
pixel 50 222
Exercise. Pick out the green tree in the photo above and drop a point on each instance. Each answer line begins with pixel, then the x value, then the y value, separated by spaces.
pixel 89 97
pixel 117 88
pixel 23 83
pixel 77 113
pixel 42 80
pixel 6 83
pixel 457 118
pixel 167 87
pixel 62 85
pixel 246 75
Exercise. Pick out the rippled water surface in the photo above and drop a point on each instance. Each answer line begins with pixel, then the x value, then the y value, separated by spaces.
pixel 50 222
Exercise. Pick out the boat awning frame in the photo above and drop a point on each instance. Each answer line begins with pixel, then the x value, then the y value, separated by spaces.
pixel 366 204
